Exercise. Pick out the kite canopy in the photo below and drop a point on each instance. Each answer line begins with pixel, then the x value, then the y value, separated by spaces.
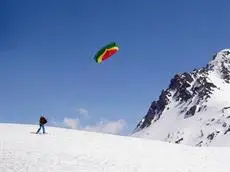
pixel 106 52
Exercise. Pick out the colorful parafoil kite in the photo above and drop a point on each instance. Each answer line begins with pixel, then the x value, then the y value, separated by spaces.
pixel 106 52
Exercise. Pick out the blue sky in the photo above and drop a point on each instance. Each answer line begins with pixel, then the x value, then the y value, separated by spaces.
pixel 47 49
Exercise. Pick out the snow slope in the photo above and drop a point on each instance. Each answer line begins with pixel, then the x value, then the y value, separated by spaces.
pixel 65 150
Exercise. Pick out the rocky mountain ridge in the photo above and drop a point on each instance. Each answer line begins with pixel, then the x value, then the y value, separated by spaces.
pixel 191 96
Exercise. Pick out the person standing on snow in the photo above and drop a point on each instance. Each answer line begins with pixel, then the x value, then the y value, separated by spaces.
pixel 42 122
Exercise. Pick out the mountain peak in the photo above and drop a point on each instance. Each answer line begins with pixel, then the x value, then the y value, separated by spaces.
pixel 219 58
pixel 221 64
pixel 199 96
pixel 223 54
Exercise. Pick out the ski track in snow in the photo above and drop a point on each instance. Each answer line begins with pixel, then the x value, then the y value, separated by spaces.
pixel 65 150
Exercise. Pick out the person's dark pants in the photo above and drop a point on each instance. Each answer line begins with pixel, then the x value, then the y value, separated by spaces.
pixel 43 128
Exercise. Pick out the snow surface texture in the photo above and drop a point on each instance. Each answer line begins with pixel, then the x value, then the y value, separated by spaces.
pixel 66 150
pixel 195 109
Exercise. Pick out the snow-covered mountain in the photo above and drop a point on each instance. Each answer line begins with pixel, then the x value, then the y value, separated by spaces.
pixel 66 150
pixel 194 109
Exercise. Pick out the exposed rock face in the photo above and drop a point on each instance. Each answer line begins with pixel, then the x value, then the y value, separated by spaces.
pixel 183 88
